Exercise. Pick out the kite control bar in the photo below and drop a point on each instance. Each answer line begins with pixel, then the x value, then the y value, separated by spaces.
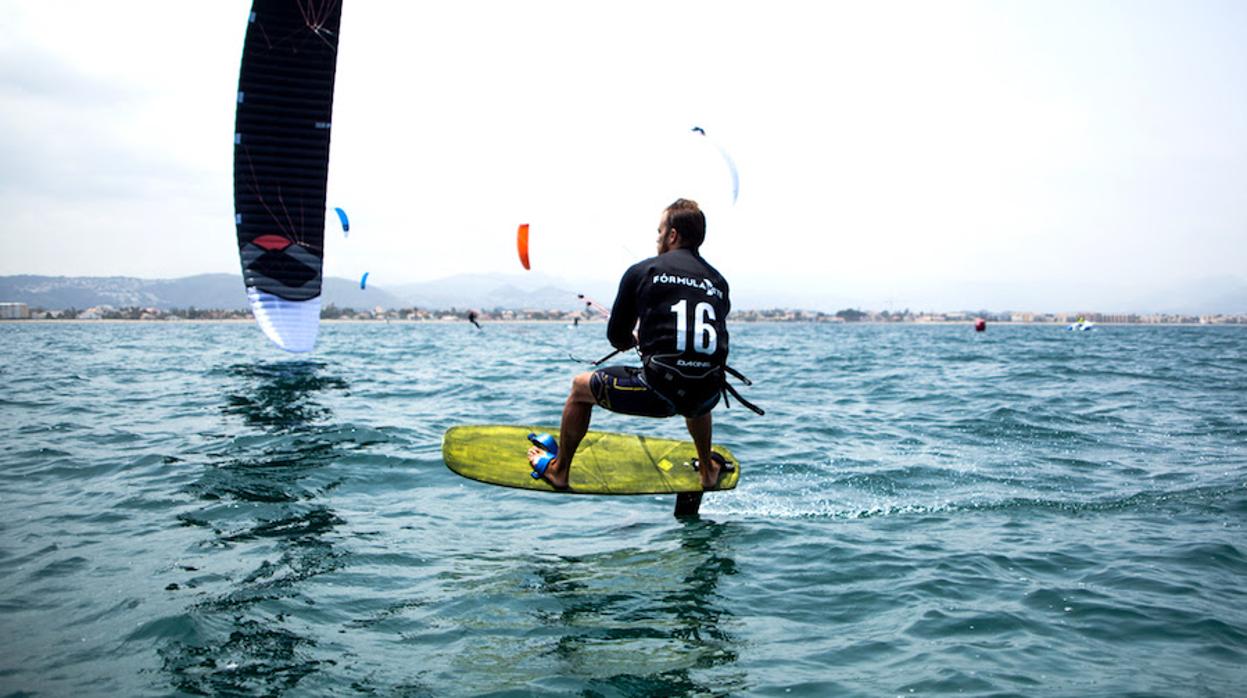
pixel 599 362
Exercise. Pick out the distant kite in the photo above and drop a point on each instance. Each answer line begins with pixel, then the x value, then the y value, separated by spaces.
pixel 363 281
pixel 731 165
pixel 346 223
pixel 521 241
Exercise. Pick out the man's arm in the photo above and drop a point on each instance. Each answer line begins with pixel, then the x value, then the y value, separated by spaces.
pixel 623 312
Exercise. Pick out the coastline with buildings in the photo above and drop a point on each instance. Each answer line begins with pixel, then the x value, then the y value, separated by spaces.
pixel 535 297
pixel 17 311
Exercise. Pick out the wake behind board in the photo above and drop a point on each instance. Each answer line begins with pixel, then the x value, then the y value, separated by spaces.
pixel 605 463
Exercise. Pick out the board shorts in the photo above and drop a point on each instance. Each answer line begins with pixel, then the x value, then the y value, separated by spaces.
pixel 624 389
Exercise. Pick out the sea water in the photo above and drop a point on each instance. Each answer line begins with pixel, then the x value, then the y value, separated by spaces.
pixel 924 510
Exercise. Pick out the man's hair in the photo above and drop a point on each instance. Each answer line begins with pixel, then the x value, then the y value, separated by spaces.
pixel 686 218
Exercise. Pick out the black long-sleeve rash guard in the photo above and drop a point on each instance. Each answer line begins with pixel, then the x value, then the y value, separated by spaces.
pixel 681 303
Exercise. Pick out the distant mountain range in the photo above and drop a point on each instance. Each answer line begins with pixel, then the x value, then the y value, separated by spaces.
pixel 1220 295
pixel 225 291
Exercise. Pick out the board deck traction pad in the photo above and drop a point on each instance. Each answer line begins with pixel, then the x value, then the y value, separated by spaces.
pixel 606 463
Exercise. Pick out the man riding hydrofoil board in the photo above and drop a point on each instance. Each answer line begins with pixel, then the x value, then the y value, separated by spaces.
pixel 678 305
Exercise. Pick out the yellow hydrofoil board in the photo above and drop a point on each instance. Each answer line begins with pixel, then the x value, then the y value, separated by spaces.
pixel 605 463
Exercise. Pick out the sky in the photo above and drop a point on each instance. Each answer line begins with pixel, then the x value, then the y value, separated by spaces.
pixel 1042 155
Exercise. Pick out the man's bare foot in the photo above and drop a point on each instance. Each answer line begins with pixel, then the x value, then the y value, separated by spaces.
pixel 711 476
pixel 554 473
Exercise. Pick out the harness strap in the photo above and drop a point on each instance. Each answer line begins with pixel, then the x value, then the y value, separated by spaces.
pixel 728 388
pixel 737 375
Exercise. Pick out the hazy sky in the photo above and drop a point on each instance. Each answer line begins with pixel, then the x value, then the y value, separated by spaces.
pixel 977 154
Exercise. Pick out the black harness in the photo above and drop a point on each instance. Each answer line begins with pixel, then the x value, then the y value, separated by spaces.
pixel 725 387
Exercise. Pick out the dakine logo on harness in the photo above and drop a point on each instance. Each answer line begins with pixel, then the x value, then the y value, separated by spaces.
pixel 693 364
pixel 704 284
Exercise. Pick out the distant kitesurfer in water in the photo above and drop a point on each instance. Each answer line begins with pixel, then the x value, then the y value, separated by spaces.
pixel 472 319
pixel 678 305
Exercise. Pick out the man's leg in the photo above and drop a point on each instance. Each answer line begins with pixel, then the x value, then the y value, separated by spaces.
pixel 700 428
pixel 576 413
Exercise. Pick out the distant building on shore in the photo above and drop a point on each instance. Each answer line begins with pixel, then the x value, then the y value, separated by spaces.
pixel 14 311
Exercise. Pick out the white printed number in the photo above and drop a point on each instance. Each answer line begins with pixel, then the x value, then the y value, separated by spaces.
pixel 707 338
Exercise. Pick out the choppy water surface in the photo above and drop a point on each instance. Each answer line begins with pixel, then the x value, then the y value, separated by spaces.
pixel 924 510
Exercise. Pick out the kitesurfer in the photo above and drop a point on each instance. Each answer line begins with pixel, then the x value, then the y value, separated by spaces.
pixel 678 305
pixel 472 319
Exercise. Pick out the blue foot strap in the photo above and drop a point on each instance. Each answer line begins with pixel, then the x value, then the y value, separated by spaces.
pixel 551 447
